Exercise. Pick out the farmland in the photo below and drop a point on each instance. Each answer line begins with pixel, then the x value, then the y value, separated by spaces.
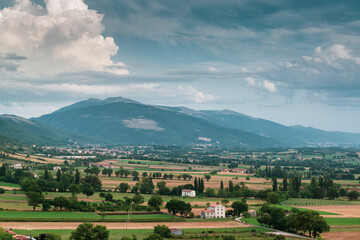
pixel 249 181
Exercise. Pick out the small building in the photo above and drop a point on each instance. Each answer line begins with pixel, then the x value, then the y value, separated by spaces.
pixel 56 168
pixel 16 166
pixel 176 231
pixel 188 193
pixel 207 213
pixel 252 213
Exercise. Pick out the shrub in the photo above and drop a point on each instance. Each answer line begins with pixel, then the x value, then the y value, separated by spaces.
pixel 2 190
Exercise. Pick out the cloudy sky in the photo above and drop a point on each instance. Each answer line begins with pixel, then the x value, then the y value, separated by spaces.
pixel 293 62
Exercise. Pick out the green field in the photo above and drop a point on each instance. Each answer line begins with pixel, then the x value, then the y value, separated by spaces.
pixel 240 233
pixel 4 184
pixel 81 217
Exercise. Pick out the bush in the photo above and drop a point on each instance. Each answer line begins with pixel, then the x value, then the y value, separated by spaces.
pixel 228 237
pixel 154 236
pixel 49 236
pixel 2 190
pixel 279 237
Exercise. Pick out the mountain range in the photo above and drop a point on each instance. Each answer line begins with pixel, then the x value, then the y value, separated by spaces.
pixel 124 121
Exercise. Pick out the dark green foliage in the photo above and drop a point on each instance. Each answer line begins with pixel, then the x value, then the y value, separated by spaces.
pixel 163 231
pixel 353 195
pixel 175 206
pixel 88 231
pixel 49 236
pixel 239 207
pixel 156 202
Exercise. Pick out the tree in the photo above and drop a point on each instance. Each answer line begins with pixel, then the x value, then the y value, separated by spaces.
pixel 285 184
pixel 138 199
pixel 224 201
pixel 86 231
pixel 275 184
pixel 34 198
pixel 61 202
pixel 135 175
pixel 163 231
pixel 58 175
pixel 156 202
pixel 208 177
pixel 87 189
pixel 231 186
pixel 221 185
pixel 3 170
pixel 108 197
pixel 77 177
pixel 94 181
pixel 74 189
pixel 273 197
pixel 353 195
pixel 5 236
pixel 175 206
pixel 144 174
pixel 123 187
pixel 239 207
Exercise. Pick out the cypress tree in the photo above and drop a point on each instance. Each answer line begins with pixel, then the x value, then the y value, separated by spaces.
pixel 58 175
pixel 231 186
pixel 221 185
pixel 275 184
pixel 196 185
pixel 199 185
pixel 285 184
pixel 77 177
pixel 3 170
pixel 46 174
pixel 202 185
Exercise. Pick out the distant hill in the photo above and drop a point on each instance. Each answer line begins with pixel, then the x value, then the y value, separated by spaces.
pixel 7 143
pixel 123 121
pixel 31 132
pixel 291 136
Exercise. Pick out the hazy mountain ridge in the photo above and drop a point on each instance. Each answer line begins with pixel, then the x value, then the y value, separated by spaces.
pixel 292 136
pixel 128 122
pixel 31 132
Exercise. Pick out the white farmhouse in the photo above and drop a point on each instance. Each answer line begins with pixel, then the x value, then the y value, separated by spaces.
pixel 214 211
pixel 188 193
pixel 16 166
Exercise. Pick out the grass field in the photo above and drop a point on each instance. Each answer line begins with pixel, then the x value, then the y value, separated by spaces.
pixel 239 233
pixel 4 184
pixel 81 217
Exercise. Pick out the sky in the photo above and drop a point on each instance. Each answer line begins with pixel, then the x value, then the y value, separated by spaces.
pixel 292 62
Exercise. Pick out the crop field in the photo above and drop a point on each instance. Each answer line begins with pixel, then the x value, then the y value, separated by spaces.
pixel 288 208
pixel 80 217
pixel 317 202
pixel 343 211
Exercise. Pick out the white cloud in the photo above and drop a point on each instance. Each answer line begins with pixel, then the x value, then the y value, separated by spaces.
pixel 269 86
pixel 63 37
pixel 250 81
pixel 194 95
pixel 332 55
